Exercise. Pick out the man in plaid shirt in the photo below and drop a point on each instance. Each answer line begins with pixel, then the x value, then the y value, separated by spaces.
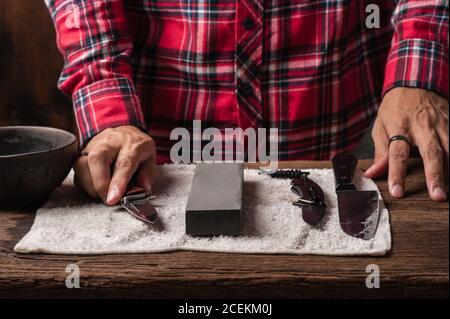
pixel 315 70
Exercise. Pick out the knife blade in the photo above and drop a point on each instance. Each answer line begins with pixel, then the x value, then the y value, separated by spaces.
pixel 137 202
pixel 358 210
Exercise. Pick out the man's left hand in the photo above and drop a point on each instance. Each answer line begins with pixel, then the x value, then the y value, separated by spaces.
pixel 422 117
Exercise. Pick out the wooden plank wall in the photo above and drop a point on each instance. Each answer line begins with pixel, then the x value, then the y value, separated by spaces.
pixel 29 68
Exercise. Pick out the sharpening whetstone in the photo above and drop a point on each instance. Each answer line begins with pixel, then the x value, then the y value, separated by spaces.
pixel 214 206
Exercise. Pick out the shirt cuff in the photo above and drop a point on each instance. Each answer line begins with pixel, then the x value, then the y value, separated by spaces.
pixel 104 104
pixel 418 63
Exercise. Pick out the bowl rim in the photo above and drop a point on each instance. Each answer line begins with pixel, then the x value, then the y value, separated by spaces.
pixel 46 128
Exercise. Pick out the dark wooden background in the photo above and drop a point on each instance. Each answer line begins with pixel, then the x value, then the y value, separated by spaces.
pixel 29 68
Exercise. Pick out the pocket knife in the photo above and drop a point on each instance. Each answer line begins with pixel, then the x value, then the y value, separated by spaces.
pixel 312 199
pixel 311 196
pixel 137 202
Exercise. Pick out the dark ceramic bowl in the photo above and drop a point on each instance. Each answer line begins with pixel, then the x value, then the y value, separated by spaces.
pixel 33 162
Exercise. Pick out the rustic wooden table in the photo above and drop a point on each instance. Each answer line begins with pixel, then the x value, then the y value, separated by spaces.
pixel 417 266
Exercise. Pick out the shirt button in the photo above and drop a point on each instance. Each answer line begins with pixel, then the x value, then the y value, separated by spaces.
pixel 249 23
pixel 247 89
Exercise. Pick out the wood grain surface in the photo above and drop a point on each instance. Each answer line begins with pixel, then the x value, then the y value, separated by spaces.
pixel 30 65
pixel 416 267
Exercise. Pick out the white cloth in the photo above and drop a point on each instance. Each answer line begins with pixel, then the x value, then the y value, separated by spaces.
pixel 71 223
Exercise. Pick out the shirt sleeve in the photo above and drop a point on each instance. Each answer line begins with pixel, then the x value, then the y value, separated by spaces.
pixel 419 51
pixel 93 39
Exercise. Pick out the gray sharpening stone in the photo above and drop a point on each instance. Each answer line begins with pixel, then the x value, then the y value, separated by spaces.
pixel 214 206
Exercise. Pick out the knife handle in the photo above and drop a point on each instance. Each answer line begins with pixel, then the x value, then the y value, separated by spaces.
pixel 344 166
pixel 308 190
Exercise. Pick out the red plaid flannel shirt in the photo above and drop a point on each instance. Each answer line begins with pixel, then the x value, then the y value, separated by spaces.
pixel 312 69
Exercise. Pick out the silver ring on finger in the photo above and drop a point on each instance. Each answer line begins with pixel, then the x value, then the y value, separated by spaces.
pixel 399 138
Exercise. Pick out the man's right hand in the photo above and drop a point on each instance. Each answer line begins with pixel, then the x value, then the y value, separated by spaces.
pixel 113 157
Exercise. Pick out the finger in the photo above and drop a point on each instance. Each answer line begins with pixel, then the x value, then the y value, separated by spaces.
pixel 443 137
pixel 99 162
pixel 83 177
pixel 380 163
pixel 399 152
pixel 147 173
pixel 126 165
pixel 398 163
pixel 446 170
pixel 433 155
